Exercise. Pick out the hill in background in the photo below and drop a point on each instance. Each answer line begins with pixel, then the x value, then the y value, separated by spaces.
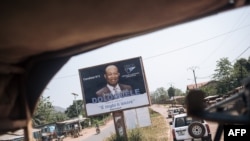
pixel 59 109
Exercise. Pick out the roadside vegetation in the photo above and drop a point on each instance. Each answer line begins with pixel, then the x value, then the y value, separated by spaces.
pixel 156 132
pixel 226 77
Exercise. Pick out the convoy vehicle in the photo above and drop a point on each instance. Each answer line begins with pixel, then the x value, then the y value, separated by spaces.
pixel 190 128
pixel 172 111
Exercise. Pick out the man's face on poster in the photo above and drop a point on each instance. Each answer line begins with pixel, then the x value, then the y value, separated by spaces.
pixel 112 75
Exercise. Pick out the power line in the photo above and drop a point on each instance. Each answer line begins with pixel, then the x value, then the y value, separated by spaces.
pixel 241 42
pixel 238 22
pixel 178 49
pixel 192 45
pixel 241 54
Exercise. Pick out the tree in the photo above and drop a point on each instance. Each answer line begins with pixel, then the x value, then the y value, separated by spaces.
pixel 43 111
pixel 178 92
pixel 223 74
pixel 160 95
pixel 171 92
pixel 59 116
pixel 75 109
pixel 210 89
pixel 240 68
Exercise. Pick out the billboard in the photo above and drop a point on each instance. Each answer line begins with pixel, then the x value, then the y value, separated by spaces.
pixel 137 118
pixel 114 86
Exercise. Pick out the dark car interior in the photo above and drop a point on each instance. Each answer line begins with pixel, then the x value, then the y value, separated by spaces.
pixel 38 37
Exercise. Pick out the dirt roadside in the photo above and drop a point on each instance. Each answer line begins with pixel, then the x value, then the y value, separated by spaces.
pixel 86 132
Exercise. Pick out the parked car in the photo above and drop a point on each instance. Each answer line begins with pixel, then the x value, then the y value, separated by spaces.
pixel 190 128
pixel 172 111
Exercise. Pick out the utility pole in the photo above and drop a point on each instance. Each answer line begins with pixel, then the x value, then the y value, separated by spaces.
pixel 171 84
pixel 193 70
pixel 75 95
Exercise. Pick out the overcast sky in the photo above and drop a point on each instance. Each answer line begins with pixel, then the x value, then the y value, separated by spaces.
pixel 168 55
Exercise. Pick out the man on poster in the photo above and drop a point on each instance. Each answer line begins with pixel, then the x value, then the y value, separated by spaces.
pixel 113 89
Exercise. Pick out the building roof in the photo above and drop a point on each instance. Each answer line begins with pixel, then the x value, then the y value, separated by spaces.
pixel 72 121
pixel 199 85
pixel 193 86
pixel 15 135
pixel 10 137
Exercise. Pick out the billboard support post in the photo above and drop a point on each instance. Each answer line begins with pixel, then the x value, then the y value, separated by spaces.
pixel 119 123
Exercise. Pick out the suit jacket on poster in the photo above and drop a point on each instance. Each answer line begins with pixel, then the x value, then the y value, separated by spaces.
pixel 107 95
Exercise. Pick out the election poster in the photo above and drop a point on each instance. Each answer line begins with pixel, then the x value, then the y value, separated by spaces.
pixel 114 86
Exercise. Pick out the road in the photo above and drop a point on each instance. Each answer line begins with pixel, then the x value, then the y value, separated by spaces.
pixel 213 126
pixel 105 132
pixel 89 134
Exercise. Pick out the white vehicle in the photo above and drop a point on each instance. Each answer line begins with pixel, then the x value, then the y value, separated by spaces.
pixel 189 128
pixel 175 111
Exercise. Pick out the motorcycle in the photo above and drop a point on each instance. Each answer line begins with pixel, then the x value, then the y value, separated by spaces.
pixel 98 130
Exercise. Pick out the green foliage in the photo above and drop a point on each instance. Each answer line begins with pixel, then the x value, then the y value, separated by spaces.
pixel 135 135
pixel 100 119
pixel 241 71
pixel 160 91
pixel 230 76
pixel 114 137
pixel 75 109
pixel 159 95
pixel 45 113
pixel 178 92
pixel 223 69
pixel 59 116
pixel 222 73
pixel 171 92
pixel 42 112
pixel 210 89
pixel 162 96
